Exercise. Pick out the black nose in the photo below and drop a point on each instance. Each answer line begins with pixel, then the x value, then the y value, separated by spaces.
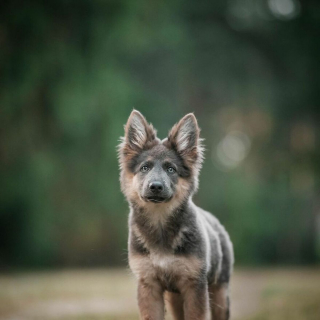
pixel 156 186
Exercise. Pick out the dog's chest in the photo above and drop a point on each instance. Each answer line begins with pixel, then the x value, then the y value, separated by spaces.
pixel 165 262
pixel 168 270
pixel 162 254
pixel 166 267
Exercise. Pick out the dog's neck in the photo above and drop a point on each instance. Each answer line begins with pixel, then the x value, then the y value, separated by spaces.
pixel 158 225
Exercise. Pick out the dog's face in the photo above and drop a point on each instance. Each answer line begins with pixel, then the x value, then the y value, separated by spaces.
pixel 154 171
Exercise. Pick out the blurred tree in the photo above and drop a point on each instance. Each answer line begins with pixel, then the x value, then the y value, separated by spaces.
pixel 71 72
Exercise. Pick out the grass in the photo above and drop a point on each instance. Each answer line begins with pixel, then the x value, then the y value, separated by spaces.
pixel 296 298
pixel 256 294
pixel 293 306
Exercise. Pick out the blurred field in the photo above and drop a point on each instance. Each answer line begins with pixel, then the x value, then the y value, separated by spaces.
pixel 257 294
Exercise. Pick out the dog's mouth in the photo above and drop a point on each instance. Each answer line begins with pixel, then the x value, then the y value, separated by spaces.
pixel 156 199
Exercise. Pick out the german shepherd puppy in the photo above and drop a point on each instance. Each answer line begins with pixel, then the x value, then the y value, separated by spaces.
pixel 178 252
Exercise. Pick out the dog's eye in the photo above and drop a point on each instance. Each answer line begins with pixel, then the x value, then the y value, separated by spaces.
pixel 144 169
pixel 171 170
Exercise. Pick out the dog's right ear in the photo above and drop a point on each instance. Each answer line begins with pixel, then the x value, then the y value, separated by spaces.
pixel 139 135
pixel 138 132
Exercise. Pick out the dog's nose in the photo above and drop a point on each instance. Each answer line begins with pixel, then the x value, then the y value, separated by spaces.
pixel 156 186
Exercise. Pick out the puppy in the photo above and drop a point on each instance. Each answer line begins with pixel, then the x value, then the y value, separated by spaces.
pixel 178 252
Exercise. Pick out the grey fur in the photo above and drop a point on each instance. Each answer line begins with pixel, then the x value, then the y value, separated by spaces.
pixel 174 245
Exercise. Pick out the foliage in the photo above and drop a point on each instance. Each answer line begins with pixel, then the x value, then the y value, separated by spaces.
pixel 71 72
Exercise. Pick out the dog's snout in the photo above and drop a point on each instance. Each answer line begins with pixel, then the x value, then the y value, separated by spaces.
pixel 156 186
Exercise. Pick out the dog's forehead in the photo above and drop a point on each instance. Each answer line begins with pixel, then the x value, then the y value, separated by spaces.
pixel 161 153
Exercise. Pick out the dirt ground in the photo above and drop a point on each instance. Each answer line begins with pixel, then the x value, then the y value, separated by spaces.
pixel 256 294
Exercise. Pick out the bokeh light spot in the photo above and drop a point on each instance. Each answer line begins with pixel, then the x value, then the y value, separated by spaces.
pixel 284 9
pixel 232 149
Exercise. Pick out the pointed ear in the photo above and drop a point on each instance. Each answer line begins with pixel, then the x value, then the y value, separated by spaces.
pixel 139 135
pixel 138 132
pixel 184 138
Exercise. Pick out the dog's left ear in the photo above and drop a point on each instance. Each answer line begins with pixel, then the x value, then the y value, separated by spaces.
pixel 184 138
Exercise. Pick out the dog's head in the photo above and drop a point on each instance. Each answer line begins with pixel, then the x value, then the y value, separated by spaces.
pixel 155 171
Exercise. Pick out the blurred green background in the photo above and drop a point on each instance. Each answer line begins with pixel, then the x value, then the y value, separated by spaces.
pixel 72 71
pixel 70 74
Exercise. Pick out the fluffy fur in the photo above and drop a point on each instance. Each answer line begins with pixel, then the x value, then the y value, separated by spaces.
pixel 178 252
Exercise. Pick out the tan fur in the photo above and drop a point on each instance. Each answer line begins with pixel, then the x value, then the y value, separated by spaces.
pixel 150 300
pixel 158 211
pixel 174 261
pixel 217 299
pixel 175 304
pixel 155 269
pixel 160 265
pixel 126 183
pixel 218 294
pixel 196 304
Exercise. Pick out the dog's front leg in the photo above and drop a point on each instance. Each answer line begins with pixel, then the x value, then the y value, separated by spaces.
pixel 196 302
pixel 150 300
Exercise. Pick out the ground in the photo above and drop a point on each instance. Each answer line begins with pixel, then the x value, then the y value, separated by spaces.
pixel 268 294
